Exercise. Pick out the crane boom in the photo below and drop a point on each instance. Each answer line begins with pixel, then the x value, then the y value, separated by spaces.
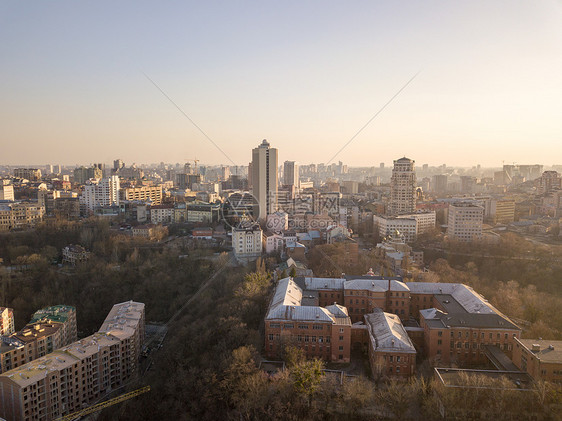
pixel 102 405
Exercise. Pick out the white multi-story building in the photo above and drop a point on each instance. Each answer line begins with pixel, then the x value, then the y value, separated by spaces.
pixel 273 242
pixel 465 221
pixel 101 194
pixel 265 178
pixel 403 188
pixel 410 225
pixel 6 190
pixel 425 221
pixel 388 225
pixel 247 240
pixel 291 174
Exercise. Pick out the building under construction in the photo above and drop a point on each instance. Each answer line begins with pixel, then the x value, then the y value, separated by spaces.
pixel 77 375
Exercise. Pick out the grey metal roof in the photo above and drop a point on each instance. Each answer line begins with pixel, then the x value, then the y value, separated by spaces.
pixel 287 305
pixel 378 285
pixel 387 333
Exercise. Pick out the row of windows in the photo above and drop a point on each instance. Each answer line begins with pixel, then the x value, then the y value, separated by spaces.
pixel 475 335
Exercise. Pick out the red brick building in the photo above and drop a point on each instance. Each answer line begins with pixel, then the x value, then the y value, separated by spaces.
pixel 391 352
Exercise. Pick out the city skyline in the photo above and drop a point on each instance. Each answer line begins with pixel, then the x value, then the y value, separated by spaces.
pixel 306 77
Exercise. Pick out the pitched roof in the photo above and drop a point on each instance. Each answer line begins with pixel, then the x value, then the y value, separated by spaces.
pixel 387 333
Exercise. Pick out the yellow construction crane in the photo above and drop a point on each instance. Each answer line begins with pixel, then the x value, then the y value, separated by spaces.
pixel 102 405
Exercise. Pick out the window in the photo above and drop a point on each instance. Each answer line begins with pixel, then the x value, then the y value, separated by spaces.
pixel 289 325
pixel 439 342
pixel 317 327
pixel 397 369
pixel 398 359
pixel 270 337
pixel 341 338
pixel 440 333
pixel 274 325
pixel 390 358
pixel 341 329
pixel 313 338
pixel 341 348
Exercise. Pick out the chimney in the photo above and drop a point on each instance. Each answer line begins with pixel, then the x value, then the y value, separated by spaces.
pixel 536 348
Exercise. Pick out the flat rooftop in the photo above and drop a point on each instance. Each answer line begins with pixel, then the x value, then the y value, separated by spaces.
pixel 456 377
pixel 550 351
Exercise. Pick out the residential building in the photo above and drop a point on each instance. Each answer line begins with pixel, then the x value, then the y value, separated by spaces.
pixel 6 321
pixel 162 214
pixel 291 174
pixel 397 254
pixel 49 329
pixel 502 211
pixel 17 215
pixel 465 221
pixel 391 352
pixel 203 212
pixel 247 241
pixel 265 178
pixel 145 231
pixel 78 374
pixel 73 254
pixel 273 242
pixel 542 359
pixel 386 226
pixel 6 190
pixel 104 193
pixel 549 181
pixel 31 174
pixel 403 188
pixel 152 194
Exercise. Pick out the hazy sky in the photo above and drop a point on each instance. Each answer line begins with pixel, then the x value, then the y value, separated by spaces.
pixel 306 75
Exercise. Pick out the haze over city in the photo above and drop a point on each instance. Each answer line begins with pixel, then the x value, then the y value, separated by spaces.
pixel 305 75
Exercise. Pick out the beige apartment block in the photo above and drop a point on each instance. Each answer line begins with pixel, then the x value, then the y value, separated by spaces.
pixel 78 374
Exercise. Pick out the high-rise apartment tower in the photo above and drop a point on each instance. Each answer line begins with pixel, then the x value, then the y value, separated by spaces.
pixel 265 178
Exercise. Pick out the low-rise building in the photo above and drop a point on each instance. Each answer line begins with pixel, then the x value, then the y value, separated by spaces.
pixel 294 318
pixel 391 352
pixel 74 254
pixel 542 359
pixel 273 242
